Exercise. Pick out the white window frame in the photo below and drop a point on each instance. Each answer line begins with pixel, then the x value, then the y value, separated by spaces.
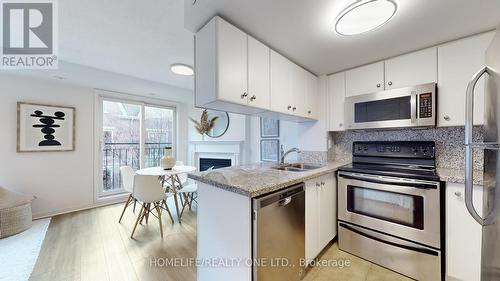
pixel 102 95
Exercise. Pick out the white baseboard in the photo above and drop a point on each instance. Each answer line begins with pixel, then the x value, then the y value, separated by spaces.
pixel 110 201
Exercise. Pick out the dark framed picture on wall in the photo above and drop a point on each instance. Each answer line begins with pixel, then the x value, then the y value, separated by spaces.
pixel 269 128
pixel 269 150
pixel 45 128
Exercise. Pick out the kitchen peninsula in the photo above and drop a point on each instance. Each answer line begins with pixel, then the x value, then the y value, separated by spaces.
pixel 225 213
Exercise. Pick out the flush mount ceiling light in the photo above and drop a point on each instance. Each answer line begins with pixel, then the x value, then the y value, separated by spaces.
pixel 364 15
pixel 182 69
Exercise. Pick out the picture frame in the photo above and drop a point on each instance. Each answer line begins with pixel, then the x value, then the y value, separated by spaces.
pixel 269 150
pixel 269 128
pixel 45 128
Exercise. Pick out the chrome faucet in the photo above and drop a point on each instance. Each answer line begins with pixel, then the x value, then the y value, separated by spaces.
pixel 284 154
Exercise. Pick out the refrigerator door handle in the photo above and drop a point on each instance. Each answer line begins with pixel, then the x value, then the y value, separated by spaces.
pixel 469 145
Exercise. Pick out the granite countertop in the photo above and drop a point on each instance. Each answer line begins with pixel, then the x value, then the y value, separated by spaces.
pixel 458 176
pixel 258 179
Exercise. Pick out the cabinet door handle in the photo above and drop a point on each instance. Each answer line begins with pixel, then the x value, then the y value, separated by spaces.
pixel 458 194
pixel 378 85
pixel 446 117
pixel 309 112
pixel 340 124
pixel 322 183
pixel 390 83
pixel 317 184
pixel 244 95
pixel 253 98
pixel 289 107
pixel 294 108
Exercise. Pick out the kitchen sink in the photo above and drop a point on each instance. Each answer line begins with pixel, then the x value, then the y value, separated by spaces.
pixel 296 167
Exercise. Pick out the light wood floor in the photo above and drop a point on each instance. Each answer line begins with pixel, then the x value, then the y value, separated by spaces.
pixel 92 245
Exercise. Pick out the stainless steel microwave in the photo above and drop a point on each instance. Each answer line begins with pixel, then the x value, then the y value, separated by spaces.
pixel 404 107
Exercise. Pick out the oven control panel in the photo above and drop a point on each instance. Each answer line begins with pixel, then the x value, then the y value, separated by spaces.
pixel 425 105
pixel 409 149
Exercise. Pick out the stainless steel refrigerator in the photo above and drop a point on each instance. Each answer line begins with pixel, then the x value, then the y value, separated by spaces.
pixel 490 260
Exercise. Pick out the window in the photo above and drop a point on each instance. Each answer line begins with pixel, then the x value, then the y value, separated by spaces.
pixel 132 134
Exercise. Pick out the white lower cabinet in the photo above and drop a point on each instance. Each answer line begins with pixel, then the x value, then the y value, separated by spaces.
pixel 463 235
pixel 321 213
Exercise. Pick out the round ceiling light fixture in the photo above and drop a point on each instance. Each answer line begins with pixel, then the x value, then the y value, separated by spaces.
pixel 182 69
pixel 364 15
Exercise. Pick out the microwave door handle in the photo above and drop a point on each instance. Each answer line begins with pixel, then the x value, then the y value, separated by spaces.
pixel 413 107
pixel 469 145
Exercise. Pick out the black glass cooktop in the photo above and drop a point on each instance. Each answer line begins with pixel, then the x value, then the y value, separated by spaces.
pixel 400 171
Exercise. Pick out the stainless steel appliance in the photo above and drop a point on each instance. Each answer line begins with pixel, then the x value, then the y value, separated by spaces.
pixel 390 210
pixel 405 107
pixel 490 260
pixel 279 235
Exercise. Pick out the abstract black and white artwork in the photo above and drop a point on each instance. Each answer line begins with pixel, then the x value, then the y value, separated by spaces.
pixel 45 127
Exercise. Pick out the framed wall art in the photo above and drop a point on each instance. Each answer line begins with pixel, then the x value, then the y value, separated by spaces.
pixel 45 128
pixel 269 128
pixel 269 150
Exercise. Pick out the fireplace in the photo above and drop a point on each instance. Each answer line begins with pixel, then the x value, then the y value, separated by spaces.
pixel 219 153
pixel 214 163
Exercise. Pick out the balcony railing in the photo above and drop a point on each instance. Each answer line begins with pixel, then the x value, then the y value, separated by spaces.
pixel 120 154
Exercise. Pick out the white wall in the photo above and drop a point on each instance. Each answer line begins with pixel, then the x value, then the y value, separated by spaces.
pixel 288 138
pixel 61 181
pixel 247 129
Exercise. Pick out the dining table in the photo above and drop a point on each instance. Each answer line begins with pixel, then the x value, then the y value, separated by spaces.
pixel 171 177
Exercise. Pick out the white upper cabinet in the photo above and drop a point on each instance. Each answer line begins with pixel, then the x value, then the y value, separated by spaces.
pixel 458 62
pixel 299 91
pixel 411 69
pixel 312 104
pixel 281 83
pixel 232 63
pixel 258 74
pixel 365 79
pixel 336 96
pixel 237 73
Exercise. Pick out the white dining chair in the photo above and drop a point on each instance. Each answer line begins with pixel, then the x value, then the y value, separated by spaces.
pixel 127 174
pixel 189 194
pixel 148 190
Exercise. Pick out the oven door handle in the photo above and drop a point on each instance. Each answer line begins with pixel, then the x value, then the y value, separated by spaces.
pixel 391 181
pixel 408 246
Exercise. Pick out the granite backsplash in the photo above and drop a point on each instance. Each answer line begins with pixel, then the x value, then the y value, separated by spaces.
pixel 449 143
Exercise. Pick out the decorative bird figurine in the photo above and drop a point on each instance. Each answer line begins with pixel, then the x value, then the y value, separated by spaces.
pixel 205 125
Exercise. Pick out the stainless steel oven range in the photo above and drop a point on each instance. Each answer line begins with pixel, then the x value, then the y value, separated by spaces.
pixel 390 207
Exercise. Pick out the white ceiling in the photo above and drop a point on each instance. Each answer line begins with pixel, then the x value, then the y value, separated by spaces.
pixel 303 29
pixel 136 38
pixel 85 76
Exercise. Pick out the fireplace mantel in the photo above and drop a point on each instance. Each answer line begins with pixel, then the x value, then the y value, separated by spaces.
pixel 215 149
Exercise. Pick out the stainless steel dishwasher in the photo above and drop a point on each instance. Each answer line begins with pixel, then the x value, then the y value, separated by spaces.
pixel 279 235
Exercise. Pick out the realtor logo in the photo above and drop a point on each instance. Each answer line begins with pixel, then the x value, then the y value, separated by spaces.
pixel 29 34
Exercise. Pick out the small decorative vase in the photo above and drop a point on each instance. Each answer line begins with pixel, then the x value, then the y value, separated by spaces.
pixel 167 162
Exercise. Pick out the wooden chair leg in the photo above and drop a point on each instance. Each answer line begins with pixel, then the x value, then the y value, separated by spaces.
pixel 137 221
pixel 135 201
pixel 125 207
pixel 147 214
pixel 157 206
pixel 191 202
pixel 168 211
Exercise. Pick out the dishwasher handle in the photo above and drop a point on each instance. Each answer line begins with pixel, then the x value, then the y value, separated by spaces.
pixel 282 197
pixel 285 201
